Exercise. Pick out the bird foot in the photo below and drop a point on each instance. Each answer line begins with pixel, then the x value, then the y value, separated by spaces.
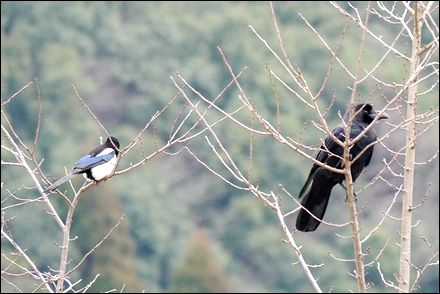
pixel 355 198
pixel 346 197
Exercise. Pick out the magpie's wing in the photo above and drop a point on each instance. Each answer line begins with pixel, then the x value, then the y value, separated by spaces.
pixel 88 162
pixel 330 147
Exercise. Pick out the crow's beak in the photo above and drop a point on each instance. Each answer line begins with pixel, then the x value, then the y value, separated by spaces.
pixel 383 116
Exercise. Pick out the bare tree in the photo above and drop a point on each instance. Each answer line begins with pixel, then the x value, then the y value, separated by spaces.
pixel 25 156
pixel 419 12
pixel 413 23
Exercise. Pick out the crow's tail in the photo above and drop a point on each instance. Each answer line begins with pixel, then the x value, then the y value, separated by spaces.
pixel 60 182
pixel 315 202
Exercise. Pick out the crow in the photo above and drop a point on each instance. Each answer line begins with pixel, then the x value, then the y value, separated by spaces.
pixel 322 179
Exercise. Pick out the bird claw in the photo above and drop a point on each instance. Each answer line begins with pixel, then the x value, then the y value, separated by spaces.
pixel 354 196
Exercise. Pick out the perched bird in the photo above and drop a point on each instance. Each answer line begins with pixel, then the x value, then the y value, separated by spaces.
pixel 95 166
pixel 322 179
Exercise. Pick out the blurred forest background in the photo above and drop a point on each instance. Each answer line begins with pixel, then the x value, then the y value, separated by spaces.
pixel 185 230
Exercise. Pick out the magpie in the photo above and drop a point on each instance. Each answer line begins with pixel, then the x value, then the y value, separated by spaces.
pixel 323 180
pixel 95 166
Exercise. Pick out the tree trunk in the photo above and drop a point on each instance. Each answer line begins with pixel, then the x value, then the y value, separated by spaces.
pixel 405 227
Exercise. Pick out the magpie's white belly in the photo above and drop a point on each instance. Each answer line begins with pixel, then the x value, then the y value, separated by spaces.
pixel 101 171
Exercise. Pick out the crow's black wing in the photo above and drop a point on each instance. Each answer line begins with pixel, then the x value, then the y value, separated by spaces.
pixel 315 202
pixel 330 147
pixel 322 182
pixel 360 147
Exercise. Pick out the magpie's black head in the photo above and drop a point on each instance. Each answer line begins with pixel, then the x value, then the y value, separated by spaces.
pixel 112 142
pixel 365 113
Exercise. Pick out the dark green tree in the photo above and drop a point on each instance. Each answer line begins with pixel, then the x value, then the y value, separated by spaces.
pixel 114 260
pixel 199 271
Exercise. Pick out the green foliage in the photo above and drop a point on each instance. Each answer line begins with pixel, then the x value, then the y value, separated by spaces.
pixel 119 56
pixel 246 231
pixel 159 219
pixel 97 213
pixel 199 271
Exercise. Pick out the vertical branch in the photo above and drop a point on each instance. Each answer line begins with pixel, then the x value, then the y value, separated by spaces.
pixel 408 184
pixel 66 239
pixel 351 203
pixel 357 245
pixel 65 246
pixel 251 152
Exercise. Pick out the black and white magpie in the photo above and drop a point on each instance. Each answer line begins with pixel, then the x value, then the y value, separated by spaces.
pixel 95 166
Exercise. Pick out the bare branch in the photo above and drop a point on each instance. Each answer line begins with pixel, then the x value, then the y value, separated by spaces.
pixel 27 258
pixel 15 94
pixel 21 159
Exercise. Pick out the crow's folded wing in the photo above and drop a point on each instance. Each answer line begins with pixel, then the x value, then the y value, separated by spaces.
pixel 330 147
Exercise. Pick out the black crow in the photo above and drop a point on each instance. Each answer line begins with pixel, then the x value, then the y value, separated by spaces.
pixel 322 179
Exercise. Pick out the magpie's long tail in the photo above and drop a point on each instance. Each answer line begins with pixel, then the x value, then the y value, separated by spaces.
pixel 315 202
pixel 60 182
